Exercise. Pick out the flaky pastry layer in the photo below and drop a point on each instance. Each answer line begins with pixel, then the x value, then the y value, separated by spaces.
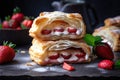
pixel 40 50
pixel 58 25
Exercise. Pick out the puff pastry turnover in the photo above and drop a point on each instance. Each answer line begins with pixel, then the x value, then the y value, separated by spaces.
pixel 56 52
pixel 58 25
pixel 110 32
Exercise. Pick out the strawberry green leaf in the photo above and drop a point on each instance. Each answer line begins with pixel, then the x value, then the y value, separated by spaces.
pixel 92 40
pixel 98 39
pixel 10 44
pixel 117 64
pixel 16 10
pixel 89 39
pixel 23 27
pixel 0 26
pixel 7 18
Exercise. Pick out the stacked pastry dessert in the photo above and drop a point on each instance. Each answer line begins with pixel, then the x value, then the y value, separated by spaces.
pixel 110 32
pixel 57 38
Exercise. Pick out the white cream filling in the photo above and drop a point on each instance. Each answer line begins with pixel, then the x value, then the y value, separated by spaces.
pixel 107 41
pixel 65 32
pixel 72 58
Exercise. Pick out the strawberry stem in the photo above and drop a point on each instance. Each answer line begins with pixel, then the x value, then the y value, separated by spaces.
pixel 29 17
pixel 16 10
pixel 10 44
pixel 7 18
pixel 0 26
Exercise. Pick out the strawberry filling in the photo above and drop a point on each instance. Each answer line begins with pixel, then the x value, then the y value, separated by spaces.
pixel 46 32
pixel 61 31
pixel 71 55
pixel 72 30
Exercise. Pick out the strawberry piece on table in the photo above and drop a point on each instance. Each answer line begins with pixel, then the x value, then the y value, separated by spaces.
pixel 68 67
pixel 106 64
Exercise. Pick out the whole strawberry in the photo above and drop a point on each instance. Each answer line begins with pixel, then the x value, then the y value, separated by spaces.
pixel 103 50
pixel 17 16
pixel 5 23
pixel 27 23
pixel 106 64
pixel 7 53
pixel 9 23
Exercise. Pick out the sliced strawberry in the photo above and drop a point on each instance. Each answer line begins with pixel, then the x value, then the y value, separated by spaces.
pixel 80 55
pixel 72 30
pixel 106 64
pixel 66 55
pixel 68 67
pixel 104 51
pixel 58 29
pixel 46 32
pixel 53 56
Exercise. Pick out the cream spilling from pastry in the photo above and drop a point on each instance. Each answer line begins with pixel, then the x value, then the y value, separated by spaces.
pixel 58 38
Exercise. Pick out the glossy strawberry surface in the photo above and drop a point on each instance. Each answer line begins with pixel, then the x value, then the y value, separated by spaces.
pixel 104 51
pixel 6 54
pixel 106 64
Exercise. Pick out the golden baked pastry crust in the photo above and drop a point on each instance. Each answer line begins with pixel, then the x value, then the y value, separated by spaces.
pixel 49 20
pixel 41 49
pixel 112 21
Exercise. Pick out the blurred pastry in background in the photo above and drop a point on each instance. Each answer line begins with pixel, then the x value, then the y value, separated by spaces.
pixel 110 32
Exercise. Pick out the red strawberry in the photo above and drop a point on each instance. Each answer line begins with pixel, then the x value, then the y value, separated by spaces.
pixel 18 17
pixel 72 30
pixel 45 32
pixel 106 64
pixel 18 28
pixel 68 67
pixel 6 53
pixel 104 51
pixel 80 55
pixel 53 56
pixel 58 29
pixel 5 24
pixel 13 24
pixel 27 23
pixel 66 55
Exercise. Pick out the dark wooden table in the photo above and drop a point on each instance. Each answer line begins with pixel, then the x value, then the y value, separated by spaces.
pixel 22 68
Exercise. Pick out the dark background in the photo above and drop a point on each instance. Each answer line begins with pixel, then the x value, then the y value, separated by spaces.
pixel 104 8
